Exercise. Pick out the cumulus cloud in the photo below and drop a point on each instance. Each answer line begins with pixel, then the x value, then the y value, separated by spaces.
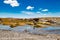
pixel 44 10
pixel 30 8
pixel 13 3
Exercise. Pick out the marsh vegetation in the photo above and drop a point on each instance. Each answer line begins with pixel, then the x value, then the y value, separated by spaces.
pixel 35 22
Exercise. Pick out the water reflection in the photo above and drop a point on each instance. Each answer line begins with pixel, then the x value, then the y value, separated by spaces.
pixel 5 27
pixel 55 30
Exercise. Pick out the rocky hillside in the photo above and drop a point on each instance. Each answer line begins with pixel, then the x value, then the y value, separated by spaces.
pixel 35 22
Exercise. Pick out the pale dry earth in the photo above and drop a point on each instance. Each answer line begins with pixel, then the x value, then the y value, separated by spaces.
pixel 13 35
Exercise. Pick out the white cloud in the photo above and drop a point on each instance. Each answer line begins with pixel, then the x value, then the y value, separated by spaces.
pixel 27 12
pixel 13 3
pixel 44 14
pixel 40 9
pixel 38 12
pixel 44 10
pixel 30 8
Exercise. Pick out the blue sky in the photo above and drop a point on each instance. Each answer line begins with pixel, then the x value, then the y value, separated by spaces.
pixel 29 8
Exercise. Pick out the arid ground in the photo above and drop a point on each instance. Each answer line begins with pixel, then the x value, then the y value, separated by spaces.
pixel 25 35
pixel 10 35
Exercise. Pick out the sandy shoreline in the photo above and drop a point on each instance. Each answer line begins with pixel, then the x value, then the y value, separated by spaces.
pixel 12 35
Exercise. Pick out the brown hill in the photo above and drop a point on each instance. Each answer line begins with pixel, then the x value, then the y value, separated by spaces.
pixel 35 22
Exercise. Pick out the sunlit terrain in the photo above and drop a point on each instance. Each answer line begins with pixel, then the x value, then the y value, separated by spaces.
pixel 31 25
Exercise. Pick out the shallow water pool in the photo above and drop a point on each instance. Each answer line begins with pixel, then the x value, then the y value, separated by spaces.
pixel 50 29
